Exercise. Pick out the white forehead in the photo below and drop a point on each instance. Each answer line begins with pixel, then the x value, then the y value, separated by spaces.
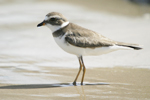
pixel 48 17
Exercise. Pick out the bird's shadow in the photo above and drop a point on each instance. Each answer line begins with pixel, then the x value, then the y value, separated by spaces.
pixel 36 86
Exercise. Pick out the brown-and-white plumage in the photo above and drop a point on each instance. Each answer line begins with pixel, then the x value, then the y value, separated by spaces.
pixel 80 41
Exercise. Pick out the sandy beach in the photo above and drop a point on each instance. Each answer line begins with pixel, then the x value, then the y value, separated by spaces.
pixel 100 84
pixel 33 67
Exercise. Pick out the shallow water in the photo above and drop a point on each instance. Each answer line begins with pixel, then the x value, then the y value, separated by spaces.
pixel 23 46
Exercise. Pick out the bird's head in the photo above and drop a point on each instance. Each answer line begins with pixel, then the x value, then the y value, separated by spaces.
pixel 54 21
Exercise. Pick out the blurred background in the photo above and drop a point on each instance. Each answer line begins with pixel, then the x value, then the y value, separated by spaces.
pixel 23 46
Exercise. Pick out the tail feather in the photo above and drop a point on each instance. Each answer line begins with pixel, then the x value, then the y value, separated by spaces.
pixel 134 46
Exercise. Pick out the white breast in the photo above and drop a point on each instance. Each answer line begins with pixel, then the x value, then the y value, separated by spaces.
pixel 68 47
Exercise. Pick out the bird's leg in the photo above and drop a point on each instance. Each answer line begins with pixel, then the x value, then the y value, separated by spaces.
pixel 84 70
pixel 74 83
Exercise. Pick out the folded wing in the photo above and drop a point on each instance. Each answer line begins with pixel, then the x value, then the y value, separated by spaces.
pixel 89 39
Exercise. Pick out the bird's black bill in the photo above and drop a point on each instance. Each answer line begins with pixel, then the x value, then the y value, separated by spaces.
pixel 41 24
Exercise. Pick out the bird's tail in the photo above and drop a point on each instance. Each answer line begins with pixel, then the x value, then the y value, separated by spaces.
pixel 133 46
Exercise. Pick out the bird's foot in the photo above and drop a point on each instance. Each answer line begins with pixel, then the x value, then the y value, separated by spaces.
pixel 74 83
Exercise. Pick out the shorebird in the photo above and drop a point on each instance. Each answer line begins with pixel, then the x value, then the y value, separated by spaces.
pixel 80 41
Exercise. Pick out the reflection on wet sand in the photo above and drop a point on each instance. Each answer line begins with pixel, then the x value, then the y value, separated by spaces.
pixel 36 86
pixel 80 91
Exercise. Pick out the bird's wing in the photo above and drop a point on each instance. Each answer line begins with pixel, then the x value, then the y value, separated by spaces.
pixel 85 38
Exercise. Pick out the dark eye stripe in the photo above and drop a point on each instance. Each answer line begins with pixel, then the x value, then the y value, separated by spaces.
pixel 53 19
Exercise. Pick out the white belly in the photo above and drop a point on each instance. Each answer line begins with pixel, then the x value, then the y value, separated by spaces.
pixel 84 51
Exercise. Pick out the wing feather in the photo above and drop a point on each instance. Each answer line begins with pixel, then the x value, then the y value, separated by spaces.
pixel 85 38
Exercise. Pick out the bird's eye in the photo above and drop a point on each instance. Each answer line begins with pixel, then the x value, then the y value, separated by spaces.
pixel 53 19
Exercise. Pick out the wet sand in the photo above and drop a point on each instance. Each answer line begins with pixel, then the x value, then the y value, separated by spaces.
pixel 100 83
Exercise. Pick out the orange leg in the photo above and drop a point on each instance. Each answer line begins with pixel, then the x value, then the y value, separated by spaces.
pixel 74 83
pixel 84 70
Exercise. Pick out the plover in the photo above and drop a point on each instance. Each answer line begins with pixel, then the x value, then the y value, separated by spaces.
pixel 80 41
